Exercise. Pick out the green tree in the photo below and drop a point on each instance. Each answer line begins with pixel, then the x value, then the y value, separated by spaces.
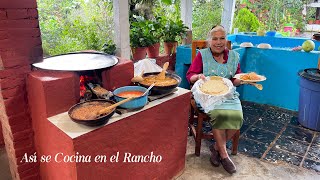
pixel 246 21
pixel 205 15
pixel 75 25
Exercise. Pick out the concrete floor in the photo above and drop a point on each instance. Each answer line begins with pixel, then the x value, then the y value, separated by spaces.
pixel 4 166
pixel 247 167
pixel 200 167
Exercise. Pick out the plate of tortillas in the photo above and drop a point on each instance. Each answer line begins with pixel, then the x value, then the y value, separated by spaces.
pixel 215 86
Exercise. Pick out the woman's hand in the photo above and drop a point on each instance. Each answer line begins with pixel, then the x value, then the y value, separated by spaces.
pixel 196 77
pixel 237 82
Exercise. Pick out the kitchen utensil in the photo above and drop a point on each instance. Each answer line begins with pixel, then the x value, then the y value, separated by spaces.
pixel 94 115
pixel 138 78
pixel 258 86
pixel 147 91
pixel 136 103
pixel 100 91
pixel 78 61
pixel 162 74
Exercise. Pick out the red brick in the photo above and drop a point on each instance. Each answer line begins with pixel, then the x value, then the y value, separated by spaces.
pixel 12 82
pixel 23 33
pixel 32 177
pixel 23 43
pixel 37 54
pixel 33 13
pixel 25 125
pixel 17 118
pixel 23 134
pixel 15 105
pixel 21 23
pixel 8 93
pixel 15 71
pixel 3 14
pixel 27 166
pixel 20 152
pixel 15 61
pixel 23 144
pixel 34 54
pixel 29 172
pixel 14 4
pixel 15 53
pixel 17 13
pixel 4 35
pixel 18 135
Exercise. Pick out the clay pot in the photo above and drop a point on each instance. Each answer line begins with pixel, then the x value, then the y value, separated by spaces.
pixel 138 53
pixel 153 50
pixel 170 47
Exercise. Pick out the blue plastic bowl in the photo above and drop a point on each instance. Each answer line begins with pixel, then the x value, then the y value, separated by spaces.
pixel 135 103
pixel 271 33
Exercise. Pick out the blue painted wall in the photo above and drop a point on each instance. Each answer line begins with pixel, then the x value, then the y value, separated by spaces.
pixel 183 61
pixel 281 68
pixel 278 42
pixel 279 65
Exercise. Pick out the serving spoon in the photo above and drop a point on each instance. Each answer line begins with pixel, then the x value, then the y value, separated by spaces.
pixel 258 86
pixel 148 89
pixel 138 78
pixel 94 115
pixel 162 74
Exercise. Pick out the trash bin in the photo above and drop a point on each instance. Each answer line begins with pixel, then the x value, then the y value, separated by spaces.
pixel 309 99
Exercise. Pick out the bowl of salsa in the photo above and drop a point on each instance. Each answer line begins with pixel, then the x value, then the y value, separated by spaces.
pixel 125 92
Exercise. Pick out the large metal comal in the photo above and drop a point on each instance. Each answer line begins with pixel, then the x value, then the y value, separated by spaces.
pixel 78 61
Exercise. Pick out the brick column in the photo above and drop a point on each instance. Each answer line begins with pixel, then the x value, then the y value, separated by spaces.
pixel 20 46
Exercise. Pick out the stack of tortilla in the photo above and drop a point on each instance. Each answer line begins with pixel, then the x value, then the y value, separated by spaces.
pixel 215 86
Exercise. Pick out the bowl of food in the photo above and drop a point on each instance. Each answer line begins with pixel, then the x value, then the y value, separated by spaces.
pixel 87 112
pixel 246 44
pixel 264 46
pixel 162 86
pixel 137 92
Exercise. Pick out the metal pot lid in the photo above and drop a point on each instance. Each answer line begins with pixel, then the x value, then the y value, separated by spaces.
pixel 312 74
pixel 78 61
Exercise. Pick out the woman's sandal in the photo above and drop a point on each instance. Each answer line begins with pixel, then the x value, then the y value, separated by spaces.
pixel 228 165
pixel 215 157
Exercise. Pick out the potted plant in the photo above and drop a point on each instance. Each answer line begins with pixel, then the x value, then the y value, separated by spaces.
pixel 299 26
pixel 172 32
pixel 156 31
pixel 140 38
pixel 310 20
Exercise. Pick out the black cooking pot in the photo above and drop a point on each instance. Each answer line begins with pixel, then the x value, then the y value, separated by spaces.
pixel 157 90
pixel 92 122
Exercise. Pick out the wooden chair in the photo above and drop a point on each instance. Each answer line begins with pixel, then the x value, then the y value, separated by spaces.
pixel 196 115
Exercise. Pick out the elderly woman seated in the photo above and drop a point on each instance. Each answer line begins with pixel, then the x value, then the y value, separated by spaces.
pixel 226 118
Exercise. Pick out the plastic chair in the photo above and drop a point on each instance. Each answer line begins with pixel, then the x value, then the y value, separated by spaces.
pixel 196 115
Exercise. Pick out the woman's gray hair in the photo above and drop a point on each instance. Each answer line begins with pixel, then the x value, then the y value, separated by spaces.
pixel 215 29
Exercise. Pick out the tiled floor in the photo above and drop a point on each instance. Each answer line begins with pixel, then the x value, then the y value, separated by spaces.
pixel 273 134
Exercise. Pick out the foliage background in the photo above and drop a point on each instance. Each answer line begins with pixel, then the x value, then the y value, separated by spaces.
pixel 75 25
